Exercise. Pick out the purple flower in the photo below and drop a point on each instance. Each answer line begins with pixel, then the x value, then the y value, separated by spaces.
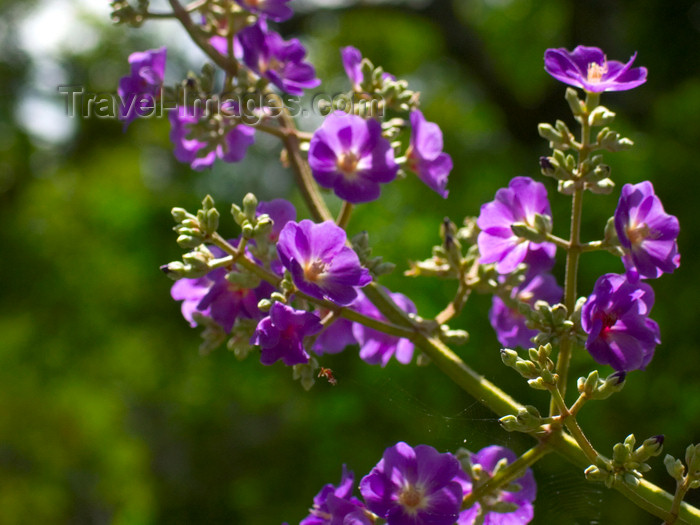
pixel 335 338
pixel 281 62
pixel 352 63
pixel 414 486
pixel 487 458
pixel 519 202
pixel 226 301
pixel 615 317
pixel 425 156
pixel 200 155
pixel 280 211
pixel 588 68
pixel 646 232
pixel 336 505
pixel 191 292
pixel 349 155
pixel 276 10
pixel 139 90
pixel 320 263
pixel 509 323
pixel 378 347
pixel 281 335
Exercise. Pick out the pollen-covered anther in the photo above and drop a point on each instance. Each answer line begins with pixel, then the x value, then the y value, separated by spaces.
pixel 347 163
pixel 314 270
pixel 597 71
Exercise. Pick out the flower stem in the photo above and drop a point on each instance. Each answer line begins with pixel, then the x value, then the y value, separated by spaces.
pixel 512 472
pixel 682 488
pixel 344 216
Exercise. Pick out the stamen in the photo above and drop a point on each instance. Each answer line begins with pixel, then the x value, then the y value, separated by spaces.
pixel 411 497
pixel 638 233
pixel 347 163
pixel 597 71
pixel 314 270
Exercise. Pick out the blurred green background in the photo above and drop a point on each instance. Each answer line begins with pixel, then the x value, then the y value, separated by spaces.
pixel 108 414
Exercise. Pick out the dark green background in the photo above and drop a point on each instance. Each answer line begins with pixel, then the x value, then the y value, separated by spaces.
pixel 108 414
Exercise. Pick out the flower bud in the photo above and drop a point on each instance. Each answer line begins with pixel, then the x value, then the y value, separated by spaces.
pixel 674 467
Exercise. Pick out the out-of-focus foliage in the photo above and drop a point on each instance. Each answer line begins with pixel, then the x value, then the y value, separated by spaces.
pixel 109 415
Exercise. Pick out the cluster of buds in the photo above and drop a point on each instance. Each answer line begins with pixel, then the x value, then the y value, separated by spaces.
pixel 124 13
pixel 528 419
pixel 591 174
pixel 376 265
pixel 628 464
pixel 448 258
pixel 688 474
pixel 593 387
pixel 551 321
pixel 538 370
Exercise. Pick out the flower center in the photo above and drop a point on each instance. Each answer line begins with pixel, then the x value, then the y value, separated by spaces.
pixel 411 498
pixel 265 65
pixel 596 71
pixel 314 270
pixel 608 319
pixel 347 163
pixel 637 233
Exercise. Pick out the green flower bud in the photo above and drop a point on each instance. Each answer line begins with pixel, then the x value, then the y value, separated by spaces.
pixel 264 305
pixel 179 214
pixel 566 187
pixel 575 103
pixel 250 205
pixel 593 473
pixel 674 467
pixel 601 116
pixel 509 357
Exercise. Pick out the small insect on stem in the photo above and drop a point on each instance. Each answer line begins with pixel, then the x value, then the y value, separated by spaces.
pixel 328 374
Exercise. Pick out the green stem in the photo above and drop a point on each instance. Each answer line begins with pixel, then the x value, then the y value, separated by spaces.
pixel 512 472
pixel 344 216
pixel 682 488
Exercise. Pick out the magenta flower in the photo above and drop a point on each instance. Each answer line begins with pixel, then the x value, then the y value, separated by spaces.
pixel 615 317
pixel 646 232
pixel 414 486
pixel 191 292
pixel 508 323
pixel 226 301
pixel 200 155
pixel 276 10
pixel 336 505
pixel 352 63
pixel 377 348
pixel 335 338
pixel 589 69
pixel 281 335
pixel 281 62
pixel 519 202
pixel 138 91
pixel 349 155
pixel 280 211
pixel 487 458
pixel 425 156
pixel 352 60
pixel 321 265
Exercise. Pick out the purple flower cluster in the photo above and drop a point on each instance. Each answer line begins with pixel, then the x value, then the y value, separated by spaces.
pixel 425 156
pixel 378 347
pixel 139 90
pixel 419 486
pixel 589 69
pixel 509 323
pixel 519 202
pixel 281 335
pixel 281 62
pixel 616 319
pixel 352 63
pixel 216 297
pixel 487 459
pixel 349 155
pixel 646 232
pixel 199 154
